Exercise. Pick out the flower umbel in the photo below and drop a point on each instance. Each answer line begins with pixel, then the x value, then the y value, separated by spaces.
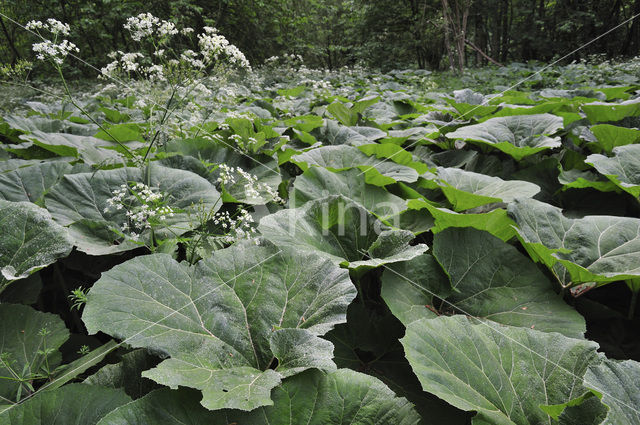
pixel 145 208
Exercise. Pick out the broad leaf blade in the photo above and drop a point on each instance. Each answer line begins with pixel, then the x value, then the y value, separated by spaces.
pixel 503 373
pixel 71 404
pixel 216 319
pixel 517 135
pixel 31 240
pixel 313 398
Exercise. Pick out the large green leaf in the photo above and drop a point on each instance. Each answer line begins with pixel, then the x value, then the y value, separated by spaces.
pixel 495 221
pixel 318 183
pixel 482 277
pixel 31 240
pixel 609 112
pixel 21 343
pixel 623 169
pixel 494 281
pixel 518 135
pixel 466 190
pixel 337 158
pixel 225 321
pixel 30 184
pixel 313 398
pixel 80 201
pixel 618 384
pixel 593 248
pixel 77 404
pixel 90 149
pixel 410 288
pixel 340 230
pixel 609 136
pixel 369 342
pixel 504 373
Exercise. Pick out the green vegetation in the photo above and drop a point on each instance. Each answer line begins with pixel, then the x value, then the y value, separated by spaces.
pixel 196 239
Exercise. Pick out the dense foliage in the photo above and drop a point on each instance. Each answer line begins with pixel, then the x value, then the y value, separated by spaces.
pixel 332 33
pixel 286 245
pixel 190 240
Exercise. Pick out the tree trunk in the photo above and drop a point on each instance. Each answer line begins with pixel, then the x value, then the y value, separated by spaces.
pixel 14 52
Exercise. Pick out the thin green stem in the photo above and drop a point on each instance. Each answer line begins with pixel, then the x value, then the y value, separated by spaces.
pixel 86 114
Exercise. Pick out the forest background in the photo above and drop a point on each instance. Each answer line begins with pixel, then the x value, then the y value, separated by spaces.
pixel 380 34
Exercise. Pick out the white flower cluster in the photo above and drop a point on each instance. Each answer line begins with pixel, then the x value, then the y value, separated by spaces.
pixel 127 63
pixel 56 52
pixel 54 26
pixel 252 187
pixel 191 57
pixel 146 25
pixel 214 45
pixel 238 227
pixel 143 206
pixel 52 50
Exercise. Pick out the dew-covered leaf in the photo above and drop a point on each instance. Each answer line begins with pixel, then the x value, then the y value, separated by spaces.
pixel 466 190
pixel 30 184
pixel 71 404
pixel 81 202
pixel 31 240
pixel 618 385
pixel 313 398
pixel 318 183
pixel 594 248
pixel 217 320
pixel 494 281
pixel 337 158
pixel 501 372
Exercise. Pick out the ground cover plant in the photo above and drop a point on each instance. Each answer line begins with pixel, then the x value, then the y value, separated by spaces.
pixel 194 241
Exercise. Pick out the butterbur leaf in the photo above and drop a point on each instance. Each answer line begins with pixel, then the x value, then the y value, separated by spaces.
pixel 466 190
pixel 20 343
pixel 409 288
pixel 71 404
pixel 217 320
pixel 623 169
pixel 318 183
pixel 610 112
pixel 29 184
pixel 379 172
pixel 90 149
pixel 495 221
pixel 610 136
pixel 296 349
pixel 516 135
pixel 81 202
pixel 591 249
pixel 494 281
pixel 314 398
pixel 31 240
pixel 341 230
pixel 501 372
pixel 618 385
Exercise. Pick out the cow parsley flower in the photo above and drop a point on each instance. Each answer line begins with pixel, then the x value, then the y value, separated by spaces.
pixel 144 208
pixel 253 188
pixel 239 226
pixel 48 50
pixel 213 46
